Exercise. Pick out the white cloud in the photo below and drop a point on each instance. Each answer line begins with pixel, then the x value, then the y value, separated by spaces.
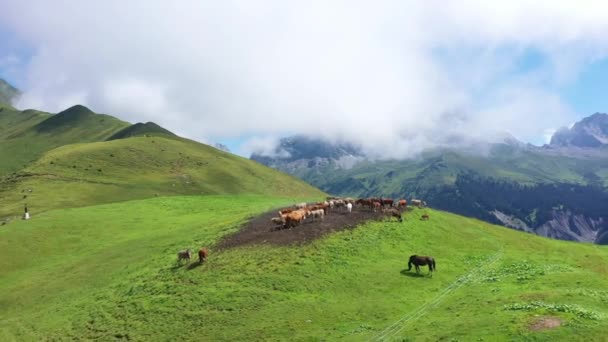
pixel 394 76
pixel 264 146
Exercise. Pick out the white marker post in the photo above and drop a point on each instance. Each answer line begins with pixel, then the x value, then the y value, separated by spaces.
pixel 26 215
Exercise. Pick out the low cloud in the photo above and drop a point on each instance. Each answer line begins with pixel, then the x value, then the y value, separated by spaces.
pixel 395 77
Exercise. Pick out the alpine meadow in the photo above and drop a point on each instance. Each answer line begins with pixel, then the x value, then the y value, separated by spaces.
pixel 272 171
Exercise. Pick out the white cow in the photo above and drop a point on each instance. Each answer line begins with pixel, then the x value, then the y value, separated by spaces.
pixel 349 207
pixel 317 213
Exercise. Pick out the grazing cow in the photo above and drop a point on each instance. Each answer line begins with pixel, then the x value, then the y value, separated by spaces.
pixel 278 220
pixel 386 202
pixel 318 213
pixel 376 205
pixel 320 206
pixel 393 213
pixel 294 218
pixel 285 211
pixel 184 255
pixel 202 255
pixel 323 205
pixel 349 207
pixel 402 203
pixel 418 203
pixel 339 203
pixel 365 202
pixel 424 217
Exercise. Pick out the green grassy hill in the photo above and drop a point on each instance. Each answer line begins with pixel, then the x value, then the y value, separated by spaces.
pixel 108 272
pixel 26 135
pixel 135 168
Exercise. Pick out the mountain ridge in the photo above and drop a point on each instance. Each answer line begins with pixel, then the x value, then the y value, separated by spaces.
pixel 445 177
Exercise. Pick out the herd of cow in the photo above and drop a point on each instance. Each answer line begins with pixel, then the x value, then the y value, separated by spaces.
pixel 294 216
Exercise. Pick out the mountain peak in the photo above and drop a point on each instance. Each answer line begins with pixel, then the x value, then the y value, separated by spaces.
pixel 76 110
pixel 139 129
pixel 8 93
pixel 70 117
pixel 591 131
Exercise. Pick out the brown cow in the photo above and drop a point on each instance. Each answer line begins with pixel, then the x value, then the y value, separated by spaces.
pixel 402 203
pixel 377 205
pixel 285 211
pixel 294 218
pixel 424 217
pixel 202 255
pixel 393 213
pixel 387 202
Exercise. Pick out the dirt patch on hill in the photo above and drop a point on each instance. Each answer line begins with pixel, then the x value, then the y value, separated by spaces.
pixel 545 323
pixel 260 229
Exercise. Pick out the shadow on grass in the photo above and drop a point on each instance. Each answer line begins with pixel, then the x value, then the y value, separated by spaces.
pixel 413 274
pixel 194 265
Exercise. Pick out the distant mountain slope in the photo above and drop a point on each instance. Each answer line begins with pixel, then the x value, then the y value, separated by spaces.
pixel 26 135
pixel 141 129
pixel 138 167
pixel 487 185
pixel 299 152
pixel 8 93
pixel 589 132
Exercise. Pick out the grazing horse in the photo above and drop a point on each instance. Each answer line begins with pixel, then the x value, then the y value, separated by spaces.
pixel 393 213
pixel 424 217
pixel 184 255
pixel 202 255
pixel 418 261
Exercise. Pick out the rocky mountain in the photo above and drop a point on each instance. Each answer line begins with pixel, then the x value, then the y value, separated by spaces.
pixel 297 153
pixel 8 93
pixel 589 132
pixel 557 190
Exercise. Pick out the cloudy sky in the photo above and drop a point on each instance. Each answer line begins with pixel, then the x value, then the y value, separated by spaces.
pixel 394 76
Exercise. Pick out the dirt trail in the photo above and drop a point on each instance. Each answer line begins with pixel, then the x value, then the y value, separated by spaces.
pixel 260 230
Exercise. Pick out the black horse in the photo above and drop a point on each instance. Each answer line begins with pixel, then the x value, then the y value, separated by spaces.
pixel 418 261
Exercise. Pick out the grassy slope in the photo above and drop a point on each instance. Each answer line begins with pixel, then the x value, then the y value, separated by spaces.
pixel 135 168
pixel 26 135
pixel 108 272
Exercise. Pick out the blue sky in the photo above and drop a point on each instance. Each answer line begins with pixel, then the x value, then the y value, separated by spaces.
pixel 246 74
